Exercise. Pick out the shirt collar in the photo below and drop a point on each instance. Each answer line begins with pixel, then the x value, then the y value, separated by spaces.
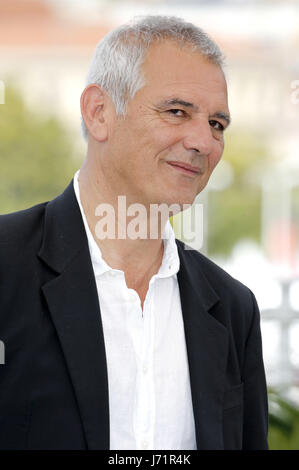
pixel 170 262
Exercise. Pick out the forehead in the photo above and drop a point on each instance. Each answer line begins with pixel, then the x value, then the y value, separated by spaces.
pixel 171 69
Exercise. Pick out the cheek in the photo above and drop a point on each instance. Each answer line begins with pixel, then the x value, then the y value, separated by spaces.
pixel 157 136
pixel 216 155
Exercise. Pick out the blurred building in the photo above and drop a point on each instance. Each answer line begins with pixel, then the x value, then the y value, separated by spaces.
pixel 51 42
pixel 46 54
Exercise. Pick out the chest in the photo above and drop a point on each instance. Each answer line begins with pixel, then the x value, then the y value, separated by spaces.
pixel 146 359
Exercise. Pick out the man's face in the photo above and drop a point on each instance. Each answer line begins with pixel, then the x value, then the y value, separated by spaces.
pixel 177 118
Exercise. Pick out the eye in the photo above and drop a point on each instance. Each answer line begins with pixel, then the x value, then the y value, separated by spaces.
pixel 177 112
pixel 216 125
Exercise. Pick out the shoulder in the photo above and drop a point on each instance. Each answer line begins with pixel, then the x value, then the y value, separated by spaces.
pixel 222 282
pixel 236 305
pixel 15 224
pixel 233 303
pixel 21 231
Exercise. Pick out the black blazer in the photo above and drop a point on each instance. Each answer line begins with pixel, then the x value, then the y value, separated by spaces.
pixel 54 386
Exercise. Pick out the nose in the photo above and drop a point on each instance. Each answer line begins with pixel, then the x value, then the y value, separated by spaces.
pixel 199 137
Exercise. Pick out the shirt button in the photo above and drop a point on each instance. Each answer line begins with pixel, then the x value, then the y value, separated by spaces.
pixel 144 444
pixel 145 369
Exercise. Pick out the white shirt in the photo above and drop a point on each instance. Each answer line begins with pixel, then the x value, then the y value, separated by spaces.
pixel 150 404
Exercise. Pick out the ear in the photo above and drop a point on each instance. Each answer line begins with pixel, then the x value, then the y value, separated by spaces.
pixel 92 104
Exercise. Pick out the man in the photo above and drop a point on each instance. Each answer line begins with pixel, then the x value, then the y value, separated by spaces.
pixel 122 342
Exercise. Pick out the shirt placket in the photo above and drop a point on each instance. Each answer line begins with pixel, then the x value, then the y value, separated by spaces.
pixel 145 392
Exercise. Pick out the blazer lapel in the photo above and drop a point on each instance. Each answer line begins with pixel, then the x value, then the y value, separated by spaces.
pixel 73 303
pixel 207 349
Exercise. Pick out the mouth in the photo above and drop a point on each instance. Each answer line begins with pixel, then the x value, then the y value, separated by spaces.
pixel 185 168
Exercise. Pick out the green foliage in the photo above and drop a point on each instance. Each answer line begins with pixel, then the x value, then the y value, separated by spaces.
pixel 283 423
pixel 36 155
pixel 235 213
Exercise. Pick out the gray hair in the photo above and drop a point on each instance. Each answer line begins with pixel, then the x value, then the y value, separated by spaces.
pixel 117 60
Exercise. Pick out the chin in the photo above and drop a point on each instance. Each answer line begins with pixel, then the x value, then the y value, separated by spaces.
pixel 174 196
pixel 187 198
pixel 181 201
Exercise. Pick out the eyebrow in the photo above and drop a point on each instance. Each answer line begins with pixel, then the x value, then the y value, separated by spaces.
pixel 219 114
pixel 174 101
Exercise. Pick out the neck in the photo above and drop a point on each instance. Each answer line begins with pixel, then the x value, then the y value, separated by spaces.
pixel 139 258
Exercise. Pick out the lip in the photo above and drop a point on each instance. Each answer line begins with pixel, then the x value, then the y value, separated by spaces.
pixel 185 167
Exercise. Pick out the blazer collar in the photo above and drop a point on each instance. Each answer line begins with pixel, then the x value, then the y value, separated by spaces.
pixel 207 348
pixel 73 303
pixel 64 233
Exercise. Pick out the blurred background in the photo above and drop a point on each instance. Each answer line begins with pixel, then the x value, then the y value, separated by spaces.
pixel 251 204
